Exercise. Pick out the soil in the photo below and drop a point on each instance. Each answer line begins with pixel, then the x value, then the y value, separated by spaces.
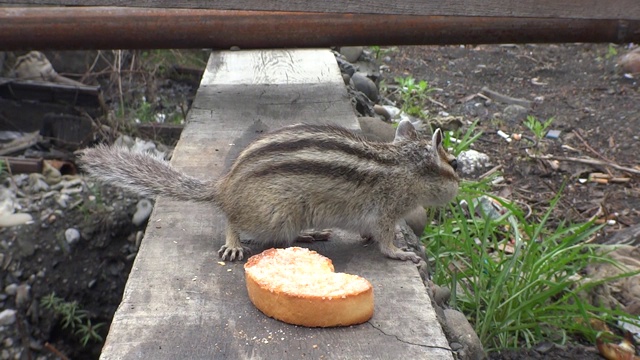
pixel 595 108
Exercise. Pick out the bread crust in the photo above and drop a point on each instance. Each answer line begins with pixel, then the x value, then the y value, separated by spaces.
pixel 299 286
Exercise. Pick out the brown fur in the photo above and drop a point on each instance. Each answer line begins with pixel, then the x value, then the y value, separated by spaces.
pixel 301 177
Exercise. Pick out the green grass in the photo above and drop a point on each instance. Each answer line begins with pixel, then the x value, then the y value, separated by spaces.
pixel 515 275
pixel 465 139
pixel 521 297
pixel 73 318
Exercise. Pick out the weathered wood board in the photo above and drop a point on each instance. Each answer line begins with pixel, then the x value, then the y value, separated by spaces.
pixel 181 303
pixel 570 9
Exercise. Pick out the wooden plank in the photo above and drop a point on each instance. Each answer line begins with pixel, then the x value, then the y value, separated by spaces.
pixel 143 28
pixel 571 9
pixel 180 303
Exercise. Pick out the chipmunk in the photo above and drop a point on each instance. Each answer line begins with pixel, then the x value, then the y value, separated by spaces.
pixel 301 177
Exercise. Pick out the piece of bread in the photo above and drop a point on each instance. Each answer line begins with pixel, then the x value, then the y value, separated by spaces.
pixel 299 286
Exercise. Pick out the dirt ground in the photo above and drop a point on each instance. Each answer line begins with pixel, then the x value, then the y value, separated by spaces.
pixel 596 109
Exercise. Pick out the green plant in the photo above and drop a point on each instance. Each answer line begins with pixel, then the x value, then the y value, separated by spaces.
pixel 73 318
pixel 413 95
pixel 144 113
pixel 464 140
pixel 538 128
pixel 611 51
pixel 513 276
pixel 378 52
pixel 3 170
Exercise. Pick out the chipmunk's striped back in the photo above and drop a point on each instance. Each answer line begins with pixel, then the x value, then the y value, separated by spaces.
pixel 314 151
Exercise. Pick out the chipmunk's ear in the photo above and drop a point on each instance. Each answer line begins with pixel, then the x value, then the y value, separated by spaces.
pixel 436 140
pixel 405 131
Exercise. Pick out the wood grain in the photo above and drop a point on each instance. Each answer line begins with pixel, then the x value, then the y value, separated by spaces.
pixel 570 9
pixel 180 303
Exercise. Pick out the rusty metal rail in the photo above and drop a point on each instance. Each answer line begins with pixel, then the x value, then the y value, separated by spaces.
pixel 144 28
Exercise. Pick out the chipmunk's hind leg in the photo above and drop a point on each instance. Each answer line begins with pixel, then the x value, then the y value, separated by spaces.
pixel 232 249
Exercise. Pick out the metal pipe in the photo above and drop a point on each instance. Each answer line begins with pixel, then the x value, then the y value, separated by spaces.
pixel 23 28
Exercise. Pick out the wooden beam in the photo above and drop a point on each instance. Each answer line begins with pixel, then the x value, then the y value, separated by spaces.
pixel 552 9
pixel 143 28
pixel 180 303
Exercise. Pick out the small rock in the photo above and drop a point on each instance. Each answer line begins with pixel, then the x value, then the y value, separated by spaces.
pixel 5 354
pixel 63 200
pixel 11 289
pixel 470 161
pixel 7 220
pixel 544 347
pixel 515 113
pixel 417 220
pixel 366 86
pixel 375 129
pixel 23 295
pixel 351 53
pixel 382 111
pixel 51 174
pixel 143 211
pixel 458 329
pixel 72 236
pixel 37 183
pixel 7 317
pixel 346 78
pixel 8 342
pixel 455 346
pixel 441 295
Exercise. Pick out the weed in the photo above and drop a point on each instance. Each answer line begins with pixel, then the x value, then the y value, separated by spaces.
pixel 73 318
pixel 611 52
pixel 378 52
pixel 513 276
pixel 538 128
pixel 413 95
pixel 144 113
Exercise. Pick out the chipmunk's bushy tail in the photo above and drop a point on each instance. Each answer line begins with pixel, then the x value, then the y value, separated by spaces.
pixel 144 173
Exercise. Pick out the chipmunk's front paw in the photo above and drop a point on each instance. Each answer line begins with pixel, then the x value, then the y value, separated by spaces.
pixel 312 235
pixel 395 253
pixel 232 253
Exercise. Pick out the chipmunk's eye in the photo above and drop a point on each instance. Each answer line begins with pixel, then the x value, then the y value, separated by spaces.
pixel 454 164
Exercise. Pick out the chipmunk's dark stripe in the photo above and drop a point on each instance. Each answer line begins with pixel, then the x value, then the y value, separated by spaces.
pixel 319 169
pixel 330 144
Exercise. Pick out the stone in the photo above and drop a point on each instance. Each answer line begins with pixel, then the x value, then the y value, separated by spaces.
pixel 375 129
pixel 365 85
pixel 351 53
pixel 37 183
pixel 11 289
pixel 458 329
pixel 7 317
pixel 7 220
pixel 417 220
pixel 472 161
pixel 72 236
pixel 23 296
pixel 143 211
pixel 441 294
pixel 51 174
pixel 515 113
